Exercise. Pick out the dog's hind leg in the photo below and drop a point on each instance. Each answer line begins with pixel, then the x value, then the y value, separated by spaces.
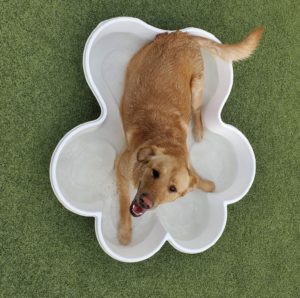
pixel 123 176
pixel 197 85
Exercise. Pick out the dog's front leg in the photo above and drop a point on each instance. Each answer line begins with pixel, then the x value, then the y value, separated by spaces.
pixel 123 180
pixel 200 183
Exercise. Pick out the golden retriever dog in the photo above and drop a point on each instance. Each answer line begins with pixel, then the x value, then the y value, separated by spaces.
pixel 163 92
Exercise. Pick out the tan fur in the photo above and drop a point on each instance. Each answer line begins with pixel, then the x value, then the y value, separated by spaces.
pixel 163 90
pixel 234 52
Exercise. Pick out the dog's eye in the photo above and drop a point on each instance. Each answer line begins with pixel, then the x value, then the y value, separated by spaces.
pixel 172 188
pixel 155 174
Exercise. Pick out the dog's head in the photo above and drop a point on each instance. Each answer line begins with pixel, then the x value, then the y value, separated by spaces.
pixel 162 178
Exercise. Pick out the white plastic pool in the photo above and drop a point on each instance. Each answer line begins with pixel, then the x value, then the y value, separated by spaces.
pixel 81 169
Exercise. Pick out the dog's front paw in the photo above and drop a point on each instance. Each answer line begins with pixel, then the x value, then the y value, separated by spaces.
pixel 124 234
pixel 210 186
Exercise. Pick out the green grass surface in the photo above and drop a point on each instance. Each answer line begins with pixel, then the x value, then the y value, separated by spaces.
pixel 46 251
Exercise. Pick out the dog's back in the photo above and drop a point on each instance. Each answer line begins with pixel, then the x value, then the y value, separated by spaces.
pixel 158 79
pixel 158 90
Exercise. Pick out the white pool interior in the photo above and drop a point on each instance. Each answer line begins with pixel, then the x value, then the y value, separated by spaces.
pixel 85 166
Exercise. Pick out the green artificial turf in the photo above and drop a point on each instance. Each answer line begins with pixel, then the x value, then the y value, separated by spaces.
pixel 46 251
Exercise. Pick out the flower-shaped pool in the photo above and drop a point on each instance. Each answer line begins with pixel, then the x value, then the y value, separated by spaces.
pixel 82 165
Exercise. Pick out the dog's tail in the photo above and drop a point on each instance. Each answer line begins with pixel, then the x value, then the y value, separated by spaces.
pixel 234 52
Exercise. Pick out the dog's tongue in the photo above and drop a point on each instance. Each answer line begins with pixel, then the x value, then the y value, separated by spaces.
pixel 135 209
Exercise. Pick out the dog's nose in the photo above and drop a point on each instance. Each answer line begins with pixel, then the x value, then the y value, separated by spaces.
pixel 145 201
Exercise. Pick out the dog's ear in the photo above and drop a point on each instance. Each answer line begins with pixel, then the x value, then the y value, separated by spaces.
pixel 192 182
pixel 144 154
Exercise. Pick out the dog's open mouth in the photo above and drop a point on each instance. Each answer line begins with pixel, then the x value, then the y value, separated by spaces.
pixel 136 210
